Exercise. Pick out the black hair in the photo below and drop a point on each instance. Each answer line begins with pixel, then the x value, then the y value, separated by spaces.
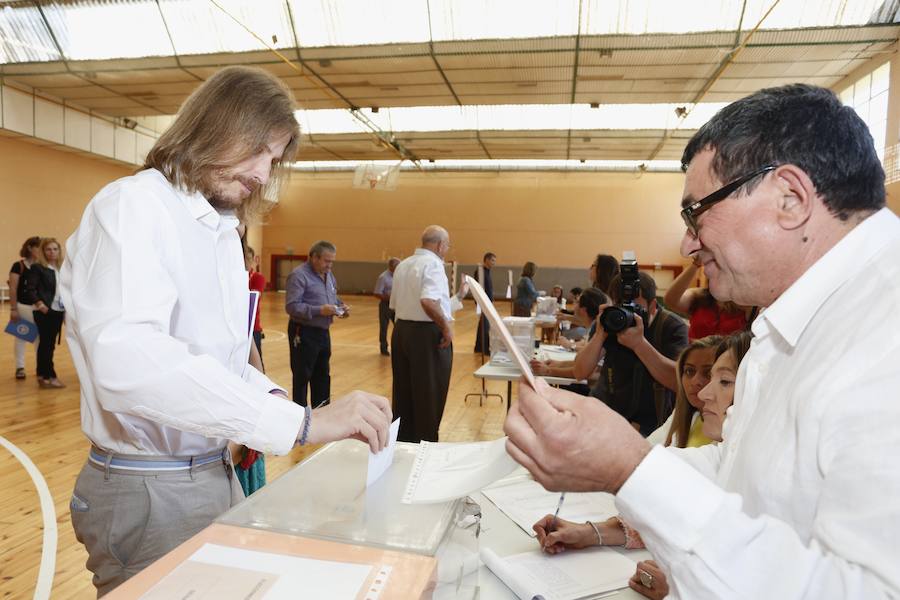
pixel 802 125
pixel 32 242
pixel 606 267
pixel 646 285
pixel 591 299
pixel 576 291
pixel 488 256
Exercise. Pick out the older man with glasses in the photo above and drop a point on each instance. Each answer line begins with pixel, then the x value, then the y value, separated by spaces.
pixel 802 498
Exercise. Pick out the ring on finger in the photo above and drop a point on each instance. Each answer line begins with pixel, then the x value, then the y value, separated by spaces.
pixel 646 579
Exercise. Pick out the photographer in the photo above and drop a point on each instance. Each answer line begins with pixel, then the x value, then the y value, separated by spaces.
pixel 637 378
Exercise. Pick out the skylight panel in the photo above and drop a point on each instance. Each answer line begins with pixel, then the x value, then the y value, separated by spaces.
pixel 23 36
pixel 359 22
pixel 97 30
pixel 502 19
pixel 201 27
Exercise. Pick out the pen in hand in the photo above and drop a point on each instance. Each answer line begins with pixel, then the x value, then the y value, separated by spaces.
pixel 562 497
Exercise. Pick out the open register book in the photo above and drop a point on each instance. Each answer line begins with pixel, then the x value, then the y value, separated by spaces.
pixel 587 573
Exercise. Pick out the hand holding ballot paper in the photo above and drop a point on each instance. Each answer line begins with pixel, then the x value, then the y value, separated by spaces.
pixel 559 436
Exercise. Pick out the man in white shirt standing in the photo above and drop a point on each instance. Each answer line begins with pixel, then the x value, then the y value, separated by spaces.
pixel 784 207
pixel 422 342
pixel 157 301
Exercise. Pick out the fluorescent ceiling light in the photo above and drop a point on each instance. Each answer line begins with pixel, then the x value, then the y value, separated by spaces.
pixel 501 165
pixel 516 117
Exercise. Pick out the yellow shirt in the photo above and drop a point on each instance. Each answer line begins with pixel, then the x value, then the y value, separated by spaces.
pixel 695 435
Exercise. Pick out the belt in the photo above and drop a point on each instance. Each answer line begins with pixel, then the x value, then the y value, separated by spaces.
pixel 138 464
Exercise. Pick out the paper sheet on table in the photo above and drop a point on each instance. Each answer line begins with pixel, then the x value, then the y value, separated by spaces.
pixel 216 572
pixel 525 501
pixel 381 462
pixel 583 573
pixel 493 316
pixel 445 471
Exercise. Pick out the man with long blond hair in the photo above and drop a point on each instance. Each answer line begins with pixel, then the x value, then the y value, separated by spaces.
pixel 157 302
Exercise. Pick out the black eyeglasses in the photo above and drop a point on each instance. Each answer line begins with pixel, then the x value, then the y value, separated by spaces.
pixel 690 213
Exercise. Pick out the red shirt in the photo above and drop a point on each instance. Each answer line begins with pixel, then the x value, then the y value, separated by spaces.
pixel 258 283
pixel 710 320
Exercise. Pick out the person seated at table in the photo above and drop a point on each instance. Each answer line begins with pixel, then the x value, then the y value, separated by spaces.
pixel 684 426
pixel 649 580
pixel 570 330
pixel 587 307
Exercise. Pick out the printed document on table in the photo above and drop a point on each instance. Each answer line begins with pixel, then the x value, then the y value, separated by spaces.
pixel 525 501
pixel 585 573
pixel 216 572
pixel 381 462
pixel 445 471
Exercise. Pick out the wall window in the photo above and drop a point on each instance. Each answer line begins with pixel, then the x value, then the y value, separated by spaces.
pixel 869 97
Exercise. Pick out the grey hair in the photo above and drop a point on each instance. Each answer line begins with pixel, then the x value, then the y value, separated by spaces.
pixel 434 234
pixel 321 246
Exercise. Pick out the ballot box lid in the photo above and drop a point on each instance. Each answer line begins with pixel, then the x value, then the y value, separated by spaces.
pixel 325 497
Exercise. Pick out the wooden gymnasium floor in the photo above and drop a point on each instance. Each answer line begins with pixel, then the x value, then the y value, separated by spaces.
pixel 45 425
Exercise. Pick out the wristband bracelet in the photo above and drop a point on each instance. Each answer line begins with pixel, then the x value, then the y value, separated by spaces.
pixel 306 422
pixel 597 531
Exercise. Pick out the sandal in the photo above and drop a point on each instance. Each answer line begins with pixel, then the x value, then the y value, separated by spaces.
pixel 20 373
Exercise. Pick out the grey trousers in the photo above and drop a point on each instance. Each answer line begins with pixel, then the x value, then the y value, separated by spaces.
pixel 127 521
pixel 421 379
pixel 385 314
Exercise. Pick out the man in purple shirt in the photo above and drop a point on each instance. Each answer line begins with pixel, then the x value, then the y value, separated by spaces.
pixel 383 287
pixel 312 303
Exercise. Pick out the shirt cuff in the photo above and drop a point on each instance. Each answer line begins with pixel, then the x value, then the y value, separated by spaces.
pixel 668 498
pixel 278 427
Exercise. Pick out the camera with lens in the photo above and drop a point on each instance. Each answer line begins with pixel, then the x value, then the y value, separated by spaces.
pixel 622 316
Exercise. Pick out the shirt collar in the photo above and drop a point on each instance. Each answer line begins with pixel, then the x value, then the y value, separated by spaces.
pixel 203 211
pixel 795 308
pixel 426 251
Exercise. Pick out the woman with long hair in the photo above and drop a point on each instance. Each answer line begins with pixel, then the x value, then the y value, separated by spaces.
pixel 21 300
pixel 684 427
pixel 526 292
pixel 48 310
pixel 602 271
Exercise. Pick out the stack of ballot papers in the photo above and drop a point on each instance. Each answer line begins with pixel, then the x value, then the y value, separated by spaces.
pixel 445 471
pixel 570 575
pixel 525 501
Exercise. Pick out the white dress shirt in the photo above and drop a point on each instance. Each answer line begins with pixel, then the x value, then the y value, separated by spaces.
pixel 418 277
pixel 157 311
pixel 802 499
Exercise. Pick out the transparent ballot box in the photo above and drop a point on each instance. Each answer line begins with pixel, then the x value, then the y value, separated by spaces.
pixel 522 331
pixel 325 497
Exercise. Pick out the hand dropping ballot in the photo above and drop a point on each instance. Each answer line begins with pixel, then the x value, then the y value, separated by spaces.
pixel 381 462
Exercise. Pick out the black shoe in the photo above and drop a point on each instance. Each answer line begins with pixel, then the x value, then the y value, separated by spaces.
pixel 385 353
pixel 20 373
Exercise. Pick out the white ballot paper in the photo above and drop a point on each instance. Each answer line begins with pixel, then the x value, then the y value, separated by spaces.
pixel 494 317
pixel 216 572
pixel 583 573
pixel 381 462
pixel 444 471
pixel 525 501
